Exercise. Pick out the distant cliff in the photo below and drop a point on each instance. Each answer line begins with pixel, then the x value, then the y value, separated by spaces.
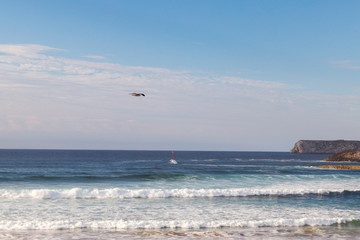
pixel 326 147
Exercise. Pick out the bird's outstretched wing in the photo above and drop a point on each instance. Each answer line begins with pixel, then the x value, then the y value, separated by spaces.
pixel 137 94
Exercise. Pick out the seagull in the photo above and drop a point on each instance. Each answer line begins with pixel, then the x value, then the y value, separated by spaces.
pixel 137 94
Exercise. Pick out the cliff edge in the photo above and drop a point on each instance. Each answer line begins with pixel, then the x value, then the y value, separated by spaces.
pixel 324 147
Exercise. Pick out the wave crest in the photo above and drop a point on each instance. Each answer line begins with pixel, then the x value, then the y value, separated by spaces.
pixel 176 224
pixel 118 193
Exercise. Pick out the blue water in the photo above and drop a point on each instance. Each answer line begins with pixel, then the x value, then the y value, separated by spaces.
pixel 62 194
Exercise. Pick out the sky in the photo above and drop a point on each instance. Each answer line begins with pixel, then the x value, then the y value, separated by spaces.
pixel 217 75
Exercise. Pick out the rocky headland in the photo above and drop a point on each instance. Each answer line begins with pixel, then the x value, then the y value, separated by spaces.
pixel 324 147
pixel 345 156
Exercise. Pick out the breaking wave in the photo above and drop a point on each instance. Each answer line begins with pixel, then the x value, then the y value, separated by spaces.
pixel 175 224
pixel 118 193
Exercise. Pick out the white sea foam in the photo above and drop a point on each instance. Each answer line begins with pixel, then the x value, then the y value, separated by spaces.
pixel 162 224
pixel 118 193
pixel 173 161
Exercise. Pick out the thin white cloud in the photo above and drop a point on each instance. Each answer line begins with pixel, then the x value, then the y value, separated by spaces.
pixel 346 64
pixel 251 83
pixel 26 50
pixel 31 58
pixel 95 57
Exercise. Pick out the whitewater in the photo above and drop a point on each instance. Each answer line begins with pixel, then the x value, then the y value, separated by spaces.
pixel 62 194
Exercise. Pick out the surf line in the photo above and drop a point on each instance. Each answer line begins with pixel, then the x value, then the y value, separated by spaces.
pixel 172 160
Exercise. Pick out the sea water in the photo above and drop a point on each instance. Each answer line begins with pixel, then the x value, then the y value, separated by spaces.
pixel 78 194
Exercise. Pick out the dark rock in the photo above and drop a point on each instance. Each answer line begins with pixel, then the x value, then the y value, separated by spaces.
pixel 345 156
pixel 324 147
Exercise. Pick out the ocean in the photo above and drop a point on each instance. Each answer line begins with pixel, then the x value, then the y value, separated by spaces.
pixel 98 194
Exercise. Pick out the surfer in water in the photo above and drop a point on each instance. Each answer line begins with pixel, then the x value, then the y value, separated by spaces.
pixel 172 160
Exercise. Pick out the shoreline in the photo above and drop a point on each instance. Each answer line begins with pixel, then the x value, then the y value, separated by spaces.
pixel 257 233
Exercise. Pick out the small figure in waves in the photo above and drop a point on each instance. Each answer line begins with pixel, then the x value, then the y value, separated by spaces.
pixel 172 160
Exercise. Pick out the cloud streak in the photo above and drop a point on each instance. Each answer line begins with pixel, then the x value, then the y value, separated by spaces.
pixel 346 64
pixel 26 50
pixel 95 57
pixel 31 58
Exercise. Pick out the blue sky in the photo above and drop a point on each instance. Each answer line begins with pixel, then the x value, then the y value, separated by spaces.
pixel 218 75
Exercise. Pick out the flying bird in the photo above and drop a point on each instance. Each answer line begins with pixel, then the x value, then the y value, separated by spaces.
pixel 137 94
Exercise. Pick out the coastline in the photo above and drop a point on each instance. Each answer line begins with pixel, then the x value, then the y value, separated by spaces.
pixel 343 167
